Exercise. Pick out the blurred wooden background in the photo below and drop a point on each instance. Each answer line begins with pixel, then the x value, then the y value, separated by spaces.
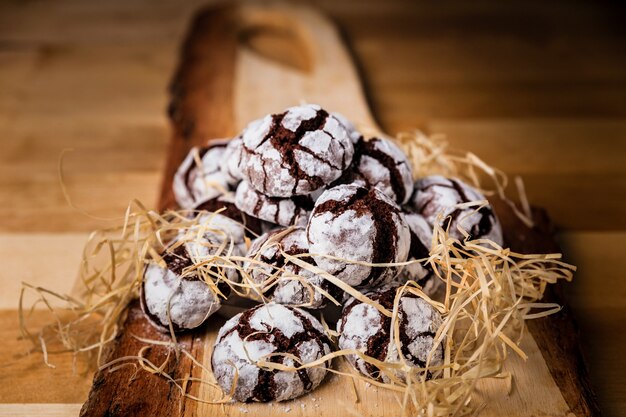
pixel 536 89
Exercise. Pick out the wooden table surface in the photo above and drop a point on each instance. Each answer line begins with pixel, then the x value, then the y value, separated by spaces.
pixel 538 90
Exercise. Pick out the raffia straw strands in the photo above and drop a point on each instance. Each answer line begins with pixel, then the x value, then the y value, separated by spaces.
pixel 430 156
pixel 490 291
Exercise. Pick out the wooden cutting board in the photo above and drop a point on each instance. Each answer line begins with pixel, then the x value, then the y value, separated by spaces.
pixel 238 64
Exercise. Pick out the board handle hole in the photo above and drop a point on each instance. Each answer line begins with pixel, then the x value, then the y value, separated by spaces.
pixel 279 43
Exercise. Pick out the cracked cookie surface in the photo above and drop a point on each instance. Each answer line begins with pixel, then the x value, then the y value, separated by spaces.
pixel 199 177
pixel 286 282
pixel 358 224
pixel 381 164
pixel 295 152
pixel 362 327
pixel 278 210
pixel 436 195
pixel 265 332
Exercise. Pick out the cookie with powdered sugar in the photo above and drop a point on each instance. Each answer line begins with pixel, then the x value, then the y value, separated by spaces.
pixel 230 164
pixel 199 176
pixel 353 133
pixel 190 300
pixel 380 163
pixel 358 224
pixel 286 282
pixel 365 329
pixel 181 291
pixel 436 195
pixel 262 331
pixel 295 152
pixel 282 211
pixel 421 241
pixel 215 234
pixel 225 204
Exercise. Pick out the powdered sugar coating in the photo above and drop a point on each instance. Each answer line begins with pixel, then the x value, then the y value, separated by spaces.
pixel 358 224
pixel 211 242
pixel 199 176
pixel 362 327
pixel 353 133
pixel 225 204
pixel 282 211
pixel 284 278
pixel 191 302
pixel 356 328
pixel 295 152
pixel 263 330
pixel 421 242
pixel 380 163
pixel 436 195
pixel 230 164
pixel 215 234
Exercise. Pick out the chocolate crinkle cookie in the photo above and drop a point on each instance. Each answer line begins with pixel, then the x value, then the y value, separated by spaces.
pixel 353 133
pixel 365 329
pixel 230 163
pixel 278 210
pixel 225 204
pixel 213 235
pixel 358 224
pixel 421 273
pixel 295 152
pixel 285 282
pixel 199 176
pixel 173 295
pixel 381 164
pixel 183 294
pixel 264 333
pixel 435 195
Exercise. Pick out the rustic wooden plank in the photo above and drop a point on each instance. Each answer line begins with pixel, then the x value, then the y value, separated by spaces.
pixel 26 379
pixel 204 77
pixel 600 260
pixel 533 393
pixel 201 91
pixel 41 410
pixel 597 298
pixel 120 393
pixel 557 336
pixel 502 70
pixel 48 260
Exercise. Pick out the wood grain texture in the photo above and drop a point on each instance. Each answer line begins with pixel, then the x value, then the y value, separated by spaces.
pixel 534 88
pixel 200 86
pixel 201 90
pixel 469 71
pixel 557 336
pixel 200 110
pixel 25 379
pixel 41 410
pixel 131 391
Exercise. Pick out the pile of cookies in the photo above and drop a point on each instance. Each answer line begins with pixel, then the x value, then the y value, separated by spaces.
pixel 318 198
